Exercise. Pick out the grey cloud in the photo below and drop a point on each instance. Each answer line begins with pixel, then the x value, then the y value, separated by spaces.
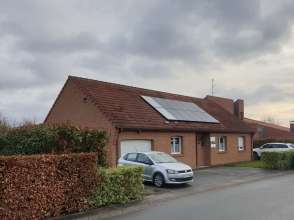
pixel 42 42
pixel 255 36
pixel 261 94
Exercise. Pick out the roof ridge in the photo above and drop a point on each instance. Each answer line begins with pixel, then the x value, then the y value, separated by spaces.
pixel 135 87
pixel 280 127
pixel 219 97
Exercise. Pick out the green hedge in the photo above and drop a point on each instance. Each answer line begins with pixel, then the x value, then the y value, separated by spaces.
pixel 118 186
pixel 278 160
pixel 42 139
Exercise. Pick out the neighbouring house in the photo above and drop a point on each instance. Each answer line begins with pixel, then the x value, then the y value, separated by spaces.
pixel 269 131
pixel 200 132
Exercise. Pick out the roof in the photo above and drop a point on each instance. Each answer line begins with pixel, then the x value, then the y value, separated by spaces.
pixel 125 108
pixel 270 131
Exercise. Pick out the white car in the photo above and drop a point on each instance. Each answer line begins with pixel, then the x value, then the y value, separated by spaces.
pixel 272 147
pixel 159 168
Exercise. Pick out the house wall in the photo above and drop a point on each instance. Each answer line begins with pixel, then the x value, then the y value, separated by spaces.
pixel 71 108
pixel 232 154
pixel 161 141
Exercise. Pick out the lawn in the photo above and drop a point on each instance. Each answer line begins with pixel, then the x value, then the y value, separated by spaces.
pixel 252 164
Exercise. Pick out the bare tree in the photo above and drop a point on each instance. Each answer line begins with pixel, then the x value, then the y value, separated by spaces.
pixel 271 120
pixel 27 123
pixel 4 124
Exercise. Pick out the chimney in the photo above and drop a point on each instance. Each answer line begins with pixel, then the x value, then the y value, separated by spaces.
pixel 239 109
pixel 291 126
pixel 227 104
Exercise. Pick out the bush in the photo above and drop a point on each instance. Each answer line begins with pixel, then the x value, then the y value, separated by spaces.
pixel 118 186
pixel 35 187
pixel 278 160
pixel 42 139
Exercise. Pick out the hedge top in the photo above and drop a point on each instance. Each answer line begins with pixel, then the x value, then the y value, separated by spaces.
pixel 43 139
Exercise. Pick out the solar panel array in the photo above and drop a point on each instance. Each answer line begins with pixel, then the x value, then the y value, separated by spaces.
pixel 179 111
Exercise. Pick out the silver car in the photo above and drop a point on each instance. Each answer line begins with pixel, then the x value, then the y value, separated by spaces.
pixel 272 147
pixel 159 168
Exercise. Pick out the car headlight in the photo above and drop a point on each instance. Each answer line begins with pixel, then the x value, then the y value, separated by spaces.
pixel 171 171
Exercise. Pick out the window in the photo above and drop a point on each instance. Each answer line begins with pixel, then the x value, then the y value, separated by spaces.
pixel 241 143
pixel 280 146
pixel 212 142
pixel 132 157
pixel 160 157
pixel 222 144
pixel 142 158
pixel 176 145
pixel 266 146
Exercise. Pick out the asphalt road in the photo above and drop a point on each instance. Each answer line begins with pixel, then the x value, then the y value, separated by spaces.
pixel 266 199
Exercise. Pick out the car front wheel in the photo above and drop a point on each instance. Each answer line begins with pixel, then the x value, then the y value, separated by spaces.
pixel 158 180
pixel 255 156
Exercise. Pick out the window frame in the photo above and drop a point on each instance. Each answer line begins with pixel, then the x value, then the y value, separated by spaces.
pixel 173 145
pixel 241 148
pixel 224 148
pixel 213 141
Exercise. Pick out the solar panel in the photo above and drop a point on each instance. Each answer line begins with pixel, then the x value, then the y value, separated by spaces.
pixel 179 111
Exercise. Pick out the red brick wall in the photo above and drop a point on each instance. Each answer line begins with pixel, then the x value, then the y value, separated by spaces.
pixel 71 108
pixel 232 154
pixel 161 142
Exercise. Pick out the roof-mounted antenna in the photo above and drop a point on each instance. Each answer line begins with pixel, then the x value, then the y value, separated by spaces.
pixel 212 86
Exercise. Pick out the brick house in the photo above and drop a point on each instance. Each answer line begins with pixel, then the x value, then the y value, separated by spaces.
pixel 269 131
pixel 134 122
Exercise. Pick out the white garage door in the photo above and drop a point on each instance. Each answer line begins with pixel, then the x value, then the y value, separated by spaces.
pixel 128 146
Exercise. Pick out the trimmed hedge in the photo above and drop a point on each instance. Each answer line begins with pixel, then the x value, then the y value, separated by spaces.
pixel 36 187
pixel 278 160
pixel 118 186
pixel 43 139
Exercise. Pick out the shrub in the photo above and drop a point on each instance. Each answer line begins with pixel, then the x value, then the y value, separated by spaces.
pixel 278 160
pixel 118 186
pixel 35 187
pixel 42 139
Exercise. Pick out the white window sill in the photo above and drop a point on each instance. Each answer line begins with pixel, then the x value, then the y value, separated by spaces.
pixel 178 153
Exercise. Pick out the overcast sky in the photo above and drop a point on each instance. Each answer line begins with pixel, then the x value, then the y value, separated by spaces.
pixel 175 46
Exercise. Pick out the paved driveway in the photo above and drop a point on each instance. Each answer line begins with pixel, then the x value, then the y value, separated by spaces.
pixel 267 199
pixel 211 178
pixel 207 181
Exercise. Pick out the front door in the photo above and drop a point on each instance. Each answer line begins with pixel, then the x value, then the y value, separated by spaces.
pixel 203 150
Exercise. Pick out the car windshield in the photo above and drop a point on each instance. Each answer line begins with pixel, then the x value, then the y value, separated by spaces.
pixel 162 158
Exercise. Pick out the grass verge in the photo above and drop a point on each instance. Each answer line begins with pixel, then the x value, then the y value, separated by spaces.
pixel 252 164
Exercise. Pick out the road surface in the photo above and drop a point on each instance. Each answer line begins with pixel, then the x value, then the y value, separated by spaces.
pixel 266 199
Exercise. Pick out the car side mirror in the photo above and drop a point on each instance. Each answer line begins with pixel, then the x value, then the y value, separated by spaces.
pixel 149 162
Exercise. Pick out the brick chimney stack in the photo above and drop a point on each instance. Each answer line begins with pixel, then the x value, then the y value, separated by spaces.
pixel 239 109
pixel 291 126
